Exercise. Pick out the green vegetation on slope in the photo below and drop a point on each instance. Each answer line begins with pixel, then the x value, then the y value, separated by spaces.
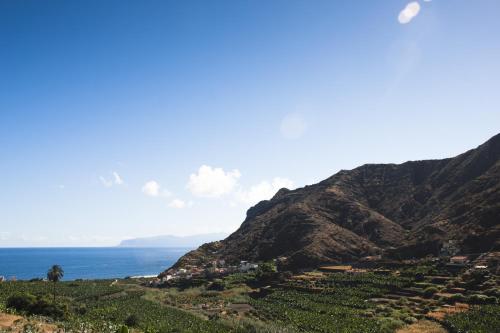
pixel 481 319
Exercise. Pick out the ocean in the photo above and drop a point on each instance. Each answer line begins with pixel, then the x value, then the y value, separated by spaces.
pixel 87 263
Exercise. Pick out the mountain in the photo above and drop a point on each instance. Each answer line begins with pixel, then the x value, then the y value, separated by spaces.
pixel 172 241
pixel 399 210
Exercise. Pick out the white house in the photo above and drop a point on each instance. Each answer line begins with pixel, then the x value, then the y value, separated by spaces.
pixel 166 278
pixel 246 266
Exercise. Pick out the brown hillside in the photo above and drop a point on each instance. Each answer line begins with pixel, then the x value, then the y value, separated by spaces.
pixel 405 210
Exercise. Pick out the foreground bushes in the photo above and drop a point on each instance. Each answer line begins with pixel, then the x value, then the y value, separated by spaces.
pixel 31 305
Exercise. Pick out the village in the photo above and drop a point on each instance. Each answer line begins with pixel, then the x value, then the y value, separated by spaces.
pixel 215 269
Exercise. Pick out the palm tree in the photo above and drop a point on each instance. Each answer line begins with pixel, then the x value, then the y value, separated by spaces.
pixel 55 274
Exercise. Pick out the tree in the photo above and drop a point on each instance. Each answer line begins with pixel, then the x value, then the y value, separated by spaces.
pixel 54 275
pixel 265 272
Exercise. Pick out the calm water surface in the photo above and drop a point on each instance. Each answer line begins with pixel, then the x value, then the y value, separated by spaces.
pixel 87 263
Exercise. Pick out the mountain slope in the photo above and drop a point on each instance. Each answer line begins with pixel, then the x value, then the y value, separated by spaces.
pixel 403 210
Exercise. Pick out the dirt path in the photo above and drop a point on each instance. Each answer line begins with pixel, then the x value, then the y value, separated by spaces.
pixel 16 324
pixel 7 320
pixel 423 326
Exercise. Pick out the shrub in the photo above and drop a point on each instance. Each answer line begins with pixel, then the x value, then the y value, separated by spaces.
pixel 390 324
pixel 132 320
pixel 150 329
pixel 482 299
pixel 123 329
pixel 81 309
pixel 21 302
pixel 31 305
pixel 403 301
pixel 493 292
pixel 457 298
pixel 44 307
pixel 410 320
pixel 429 291
pixel 217 284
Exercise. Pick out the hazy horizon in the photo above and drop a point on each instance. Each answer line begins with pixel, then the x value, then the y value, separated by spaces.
pixel 124 119
pixel 206 237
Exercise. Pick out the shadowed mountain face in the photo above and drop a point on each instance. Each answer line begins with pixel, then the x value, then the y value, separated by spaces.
pixel 405 210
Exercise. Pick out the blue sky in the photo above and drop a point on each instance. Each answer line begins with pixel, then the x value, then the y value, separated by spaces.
pixel 135 118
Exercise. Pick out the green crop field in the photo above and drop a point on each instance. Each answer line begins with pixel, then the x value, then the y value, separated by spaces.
pixel 341 306
pixel 98 306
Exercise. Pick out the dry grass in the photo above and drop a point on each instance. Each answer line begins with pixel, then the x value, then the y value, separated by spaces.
pixel 423 326
pixel 17 324
pixel 339 268
pixel 7 320
pixel 442 312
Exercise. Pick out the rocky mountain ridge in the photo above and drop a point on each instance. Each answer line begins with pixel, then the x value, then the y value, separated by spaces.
pixel 399 210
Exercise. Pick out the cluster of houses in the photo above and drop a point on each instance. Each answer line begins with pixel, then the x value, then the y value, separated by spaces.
pixel 216 268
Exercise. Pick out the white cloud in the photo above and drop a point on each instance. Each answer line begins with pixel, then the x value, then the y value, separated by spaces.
pixel 151 188
pixel 212 182
pixel 115 180
pixel 177 203
pixel 118 179
pixel 409 12
pixel 293 126
pixel 106 183
pixel 265 190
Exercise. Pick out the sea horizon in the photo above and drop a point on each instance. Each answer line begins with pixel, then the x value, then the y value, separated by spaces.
pixel 88 263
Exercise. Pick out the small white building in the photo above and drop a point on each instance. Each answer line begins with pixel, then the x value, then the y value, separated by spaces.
pixel 166 278
pixel 2 278
pixel 246 266
pixel 480 267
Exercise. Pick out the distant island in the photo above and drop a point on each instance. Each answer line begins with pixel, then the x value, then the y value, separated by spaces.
pixel 173 241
